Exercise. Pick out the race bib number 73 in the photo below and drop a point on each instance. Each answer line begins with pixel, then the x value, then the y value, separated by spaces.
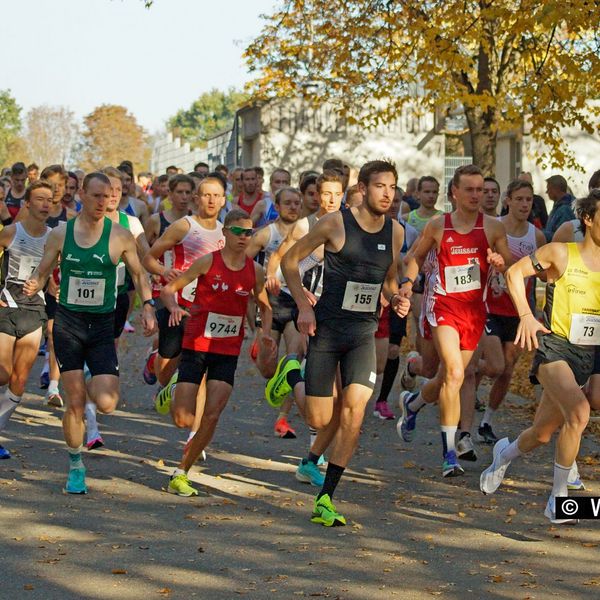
pixel 585 330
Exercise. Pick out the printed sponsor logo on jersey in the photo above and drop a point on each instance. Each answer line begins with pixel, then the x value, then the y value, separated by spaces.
pixel 380 246
pixel 224 287
pixel 242 292
pixel 100 257
pixel 450 239
pixel 71 258
pixel 463 250
pixel 573 289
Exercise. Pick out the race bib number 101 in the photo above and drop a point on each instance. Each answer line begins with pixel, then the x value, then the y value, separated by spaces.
pixel 85 291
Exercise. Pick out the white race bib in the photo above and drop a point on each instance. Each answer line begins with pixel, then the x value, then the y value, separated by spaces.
pixel 168 259
pixel 189 291
pixel 222 326
pixel 463 278
pixel 121 269
pixel 585 330
pixel 361 297
pixel 86 291
pixel 27 265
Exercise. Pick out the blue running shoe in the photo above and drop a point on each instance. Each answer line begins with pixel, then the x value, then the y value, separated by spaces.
pixel 450 466
pixel 408 421
pixel 573 482
pixel 44 381
pixel 4 453
pixel 76 481
pixel 308 472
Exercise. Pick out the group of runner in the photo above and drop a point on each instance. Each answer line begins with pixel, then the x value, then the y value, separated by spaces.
pixel 331 270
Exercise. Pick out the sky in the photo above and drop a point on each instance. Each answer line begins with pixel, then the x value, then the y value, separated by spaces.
pixel 84 53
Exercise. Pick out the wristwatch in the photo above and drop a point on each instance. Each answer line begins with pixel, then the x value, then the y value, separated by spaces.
pixel 150 302
pixel 406 280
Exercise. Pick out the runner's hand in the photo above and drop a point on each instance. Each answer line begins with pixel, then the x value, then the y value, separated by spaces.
pixel 31 286
pixel 310 296
pixel 3 304
pixel 495 259
pixel 171 274
pixel 273 285
pixel 307 323
pixel 176 315
pixel 527 332
pixel 149 323
pixel 400 305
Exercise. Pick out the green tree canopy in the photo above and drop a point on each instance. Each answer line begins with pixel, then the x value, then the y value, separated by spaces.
pixel 211 113
pixel 10 124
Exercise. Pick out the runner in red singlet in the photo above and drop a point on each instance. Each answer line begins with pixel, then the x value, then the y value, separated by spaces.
pixel 251 193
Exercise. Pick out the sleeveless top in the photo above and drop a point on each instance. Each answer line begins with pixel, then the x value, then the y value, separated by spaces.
pixel 572 309
pixel 13 204
pixel 216 322
pixel 353 277
pixel 498 300
pixel 249 209
pixel 166 259
pixel 197 242
pixel 123 276
pixel 275 239
pixel 460 268
pixel 418 222
pixel 270 214
pixel 56 221
pixel 21 258
pixel 88 277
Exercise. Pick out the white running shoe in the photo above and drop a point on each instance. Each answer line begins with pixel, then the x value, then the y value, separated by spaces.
pixel 465 448
pixel 492 477
pixel 574 481
pixel 407 380
pixel 550 513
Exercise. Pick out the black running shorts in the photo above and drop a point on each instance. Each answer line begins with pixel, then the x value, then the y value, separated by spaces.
pixel 502 327
pixel 121 309
pixel 169 338
pixel 352 349
pixel 397 328
pixel 284 310
pixel 81 337
pixel 193 365
pixel 19 322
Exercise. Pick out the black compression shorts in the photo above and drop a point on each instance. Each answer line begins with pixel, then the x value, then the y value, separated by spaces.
pixel 194 365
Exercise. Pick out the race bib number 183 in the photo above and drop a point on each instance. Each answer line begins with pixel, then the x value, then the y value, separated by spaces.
pixel 463 278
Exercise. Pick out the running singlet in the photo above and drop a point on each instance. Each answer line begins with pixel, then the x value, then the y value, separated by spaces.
pixel 20 260
pixel 166 259
pixel 13 204
pixel 498 301
pixel 250 208
pixel 123 277
pixel 197 242
pixel 56 221
pixel 461 266
pixel 418 222
pixel 88 277
pixel 216 323
pixel 270 215
pixel 275 239
pixel 572 308
pixel 353 277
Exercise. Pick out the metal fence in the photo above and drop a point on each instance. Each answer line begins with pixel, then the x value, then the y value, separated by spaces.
pixel 451 163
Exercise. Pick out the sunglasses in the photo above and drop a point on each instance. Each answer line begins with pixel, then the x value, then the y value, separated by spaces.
pixel 239 231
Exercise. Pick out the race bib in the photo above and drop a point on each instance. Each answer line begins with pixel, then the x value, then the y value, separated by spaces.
pixel 222 326
pixel 189 291
pixel 121 274
pixel 85 291
pixel 27 265
pixel 168 259
pixel 585 330
pixel 361 297
pixel 463 278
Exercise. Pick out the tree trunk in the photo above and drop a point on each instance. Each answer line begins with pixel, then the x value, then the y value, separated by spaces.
pixel 483 138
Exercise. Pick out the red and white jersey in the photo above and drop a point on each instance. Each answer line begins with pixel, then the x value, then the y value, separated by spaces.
pixel 197 243
pixel 216 322
pixel 460 268
pixel 498 301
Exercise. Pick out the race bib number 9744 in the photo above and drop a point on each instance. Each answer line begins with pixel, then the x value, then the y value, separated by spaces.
pixel 222 326
pixel 361 297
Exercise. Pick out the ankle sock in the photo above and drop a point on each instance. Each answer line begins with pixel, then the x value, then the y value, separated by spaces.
pixel 448 436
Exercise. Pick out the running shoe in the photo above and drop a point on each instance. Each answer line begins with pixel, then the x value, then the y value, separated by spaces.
pixel 408 381
pixel 325 513
pixel 128 327
pixel 181 485
pixel 253 350
pixel 479 405
pixel 550 513
pixel 148 374
pixel 4 453
pixel 277 387
pixel 283 429
pixel 322 461
pixel 95 442
pixel 408 421
pixel 574 481
pixel 308 472
pixel 485 435
pixel 465 448
pixel 55 399
pixel 492 477
pixel 382 411
pixel 76 481
pixel 44 381
pixel 450 466
pixel 43 349
pixel 162 402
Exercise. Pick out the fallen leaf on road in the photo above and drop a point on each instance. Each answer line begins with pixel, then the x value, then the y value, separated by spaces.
pixel 511 512
pixel 28 586
pixel 165 591
pixel 409 464
pixel 119 572
pixel 160 462
pixel 496 578
pixel 462 515
pixel 589 544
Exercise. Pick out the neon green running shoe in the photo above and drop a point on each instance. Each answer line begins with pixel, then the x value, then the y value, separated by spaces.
pixel 326 514
pixel 277 387
pixel 162 401
pixel 180 485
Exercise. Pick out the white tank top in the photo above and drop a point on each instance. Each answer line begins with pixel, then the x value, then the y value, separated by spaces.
pixel 275 239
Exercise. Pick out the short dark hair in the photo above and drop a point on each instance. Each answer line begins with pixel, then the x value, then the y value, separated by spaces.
pixel 33 167
pixel 491 179
pixel 171 167
pixel 286 190
pixel 376 166
pixel 328 176
pixel 594 181
pixel 259 171
pixel 220 168
pixel 18 169
pixel 162 178
pixel 177 179
pixel 559 182
pixel 465 170
pixel 72 175
pixel 333 164
pixel 516 185
pixel 220 177
pixel 588 206
pixel 125 168
pixel 306 181
pixel 235 214
pixel 426 179
pixel 201 164
pixel 94 175
pixel 36 185
pixel 253 169
pixel 54 170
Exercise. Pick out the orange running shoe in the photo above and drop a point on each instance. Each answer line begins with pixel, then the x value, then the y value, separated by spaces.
pixel 283 429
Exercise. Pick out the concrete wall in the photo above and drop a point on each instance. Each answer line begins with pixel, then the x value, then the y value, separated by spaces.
pixel 171 151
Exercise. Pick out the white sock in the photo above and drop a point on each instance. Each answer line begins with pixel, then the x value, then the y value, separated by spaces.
pixel 178 471
pixel 75 461
pixel 510 452
pixel 313 435
pixel 8 404
pixel 449 434
pixel 417 403
pixel 53 387
pixel 191 434
pixel 488 415
pixel 46 367
pixel 561 476
pixel 91 424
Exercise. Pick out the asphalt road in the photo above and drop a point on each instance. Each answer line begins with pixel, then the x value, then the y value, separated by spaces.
pixel 410 533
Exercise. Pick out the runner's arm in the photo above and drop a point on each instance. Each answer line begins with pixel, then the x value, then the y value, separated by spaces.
pixel 563 234
pixel 540 238
pixel 258 211
pixel 499 254
pixel 52 249
pixel 6 236
pixel 257 243
pixel 152 228
pixel 415 259
pixel 400 305
pixel 172 236
pixel 262 300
